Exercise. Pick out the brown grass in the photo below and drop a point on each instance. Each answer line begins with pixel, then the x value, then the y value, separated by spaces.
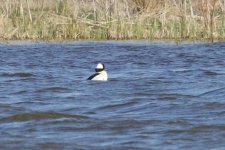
pixel 112 19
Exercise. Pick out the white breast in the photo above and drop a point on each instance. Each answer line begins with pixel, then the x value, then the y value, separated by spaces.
pixel 102 76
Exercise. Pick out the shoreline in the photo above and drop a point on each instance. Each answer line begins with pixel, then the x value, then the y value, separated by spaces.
pixel 130 41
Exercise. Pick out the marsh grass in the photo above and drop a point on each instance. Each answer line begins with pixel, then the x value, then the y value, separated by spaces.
pixel 112 19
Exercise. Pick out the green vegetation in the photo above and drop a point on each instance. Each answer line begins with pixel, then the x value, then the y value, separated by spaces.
pixel 112 19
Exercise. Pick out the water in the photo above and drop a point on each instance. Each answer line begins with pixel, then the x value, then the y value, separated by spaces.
pixel 159 96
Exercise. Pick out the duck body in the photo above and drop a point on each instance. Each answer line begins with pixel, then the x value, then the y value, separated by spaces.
pixel 100 75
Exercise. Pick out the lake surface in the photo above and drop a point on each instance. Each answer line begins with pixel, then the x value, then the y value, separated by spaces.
pixel 160 96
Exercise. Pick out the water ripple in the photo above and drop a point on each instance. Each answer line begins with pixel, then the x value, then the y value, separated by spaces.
pixel 39 116
pixel 18 74
pixel 54 89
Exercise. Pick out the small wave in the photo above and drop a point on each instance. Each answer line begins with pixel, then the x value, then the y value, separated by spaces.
pixel 182 70
pixel 174 96
pixel 214 105
pixel 215 92
pixel 115 106
pixel 18 74
pixel 210 73
pixel 198 129
pixel 40 116
pixel 118 125
pixel 54 89
pixel 20 92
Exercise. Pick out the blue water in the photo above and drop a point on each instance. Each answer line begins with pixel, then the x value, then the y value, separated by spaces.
pixel 160 95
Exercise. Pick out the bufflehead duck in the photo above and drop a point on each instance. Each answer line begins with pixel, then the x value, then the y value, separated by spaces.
pixel 101 74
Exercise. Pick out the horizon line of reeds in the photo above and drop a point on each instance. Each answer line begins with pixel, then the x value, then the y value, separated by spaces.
pixel 112 19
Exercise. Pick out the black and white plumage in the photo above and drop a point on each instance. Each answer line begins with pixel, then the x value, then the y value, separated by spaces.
pixel 100 75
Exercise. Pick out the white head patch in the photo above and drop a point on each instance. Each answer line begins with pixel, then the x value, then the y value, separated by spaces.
pixel 99 66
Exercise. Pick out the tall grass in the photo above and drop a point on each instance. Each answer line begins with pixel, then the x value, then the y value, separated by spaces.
pixel 112 19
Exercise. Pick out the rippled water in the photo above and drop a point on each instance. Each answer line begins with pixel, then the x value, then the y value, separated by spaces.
pixel 159 96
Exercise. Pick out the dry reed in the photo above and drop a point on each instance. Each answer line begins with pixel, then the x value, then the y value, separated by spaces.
pixel 112 19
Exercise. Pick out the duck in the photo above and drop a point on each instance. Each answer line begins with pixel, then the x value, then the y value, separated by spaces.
pixel 100 73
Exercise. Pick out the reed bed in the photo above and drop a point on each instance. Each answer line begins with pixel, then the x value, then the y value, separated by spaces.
pixel 112 19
